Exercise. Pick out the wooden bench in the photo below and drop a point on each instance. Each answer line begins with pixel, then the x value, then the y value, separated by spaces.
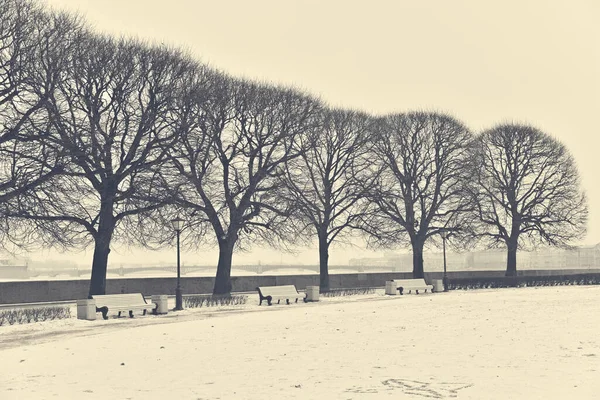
pixel 408 285
pixel 287 292
pixel 122 302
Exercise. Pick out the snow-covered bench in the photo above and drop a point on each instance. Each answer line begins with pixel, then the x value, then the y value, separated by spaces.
pixel 122 302
pixel 408 285
pixel 287 292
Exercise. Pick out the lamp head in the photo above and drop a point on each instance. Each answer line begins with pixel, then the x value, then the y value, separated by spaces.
pixel 177 223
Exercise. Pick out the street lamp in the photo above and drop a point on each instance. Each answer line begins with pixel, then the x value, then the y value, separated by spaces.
pixel 444 235
pixel 177 225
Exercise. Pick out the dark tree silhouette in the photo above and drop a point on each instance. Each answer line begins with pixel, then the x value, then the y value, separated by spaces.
pixel 328 184
pixel 110 114
pixel 420 188
pixel 526 190
pixel 33 44
pixel 228 163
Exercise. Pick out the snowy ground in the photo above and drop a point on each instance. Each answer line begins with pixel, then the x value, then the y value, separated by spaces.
pixel 527 343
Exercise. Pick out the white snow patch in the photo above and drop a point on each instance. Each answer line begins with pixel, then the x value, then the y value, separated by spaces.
pixel 525 343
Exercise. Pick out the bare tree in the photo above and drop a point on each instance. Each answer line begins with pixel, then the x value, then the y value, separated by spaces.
pixel 202 108
pixel 110 115
pixel 33 45
pixel 526 189
pixel 328 184
pixel 420 191
pixel 230 159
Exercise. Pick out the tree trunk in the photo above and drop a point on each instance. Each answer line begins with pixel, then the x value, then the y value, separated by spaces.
pixel 106 228
pixel 417 248
pixel 223 279
pixel 323 264
pixel 511 260
pixel 99 266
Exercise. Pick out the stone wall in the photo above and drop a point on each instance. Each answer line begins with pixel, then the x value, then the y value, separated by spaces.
pixel 62 290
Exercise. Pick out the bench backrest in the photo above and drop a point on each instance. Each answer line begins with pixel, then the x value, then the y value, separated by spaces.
pixel 118 299
pixel 410 282
pixel 278 290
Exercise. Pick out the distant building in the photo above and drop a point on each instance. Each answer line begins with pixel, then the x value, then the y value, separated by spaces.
pixel 581 257
pixel 10 270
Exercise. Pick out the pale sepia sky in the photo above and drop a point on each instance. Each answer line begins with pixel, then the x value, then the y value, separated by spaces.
pixel 485 62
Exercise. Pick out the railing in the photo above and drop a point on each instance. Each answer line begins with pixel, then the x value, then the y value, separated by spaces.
pixel 258 269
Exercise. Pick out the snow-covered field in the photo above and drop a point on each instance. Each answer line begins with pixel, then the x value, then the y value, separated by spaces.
pixel 527 343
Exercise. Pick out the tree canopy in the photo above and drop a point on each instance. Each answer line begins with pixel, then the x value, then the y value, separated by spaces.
pixel 526 190
pixel 420 183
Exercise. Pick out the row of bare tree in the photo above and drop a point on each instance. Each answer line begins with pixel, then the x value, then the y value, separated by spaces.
pixel 105 140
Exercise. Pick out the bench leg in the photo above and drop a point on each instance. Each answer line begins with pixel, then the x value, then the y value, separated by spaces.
pixel 287 301
pixel 416 291
pixel 144 312
pixel 119 314
pixel 278 301
pixel 401 290
pixel 269 299
pixel 296 299
pixel 104 311
pixel 130 314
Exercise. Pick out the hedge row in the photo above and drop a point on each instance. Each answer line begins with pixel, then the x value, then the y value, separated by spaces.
pixel 29 315
pixel 213 300
pixel 523 281
pixel 347 292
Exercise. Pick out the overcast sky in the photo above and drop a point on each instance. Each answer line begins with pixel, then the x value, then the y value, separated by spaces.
pixel 484 62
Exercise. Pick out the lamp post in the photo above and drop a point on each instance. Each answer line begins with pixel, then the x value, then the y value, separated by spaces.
pixel 445 279
pixel 177 225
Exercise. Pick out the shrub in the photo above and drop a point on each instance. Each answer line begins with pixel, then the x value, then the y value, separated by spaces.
pixel 347 292
pixel 213 300
pixel 29 315
pixel 523 281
